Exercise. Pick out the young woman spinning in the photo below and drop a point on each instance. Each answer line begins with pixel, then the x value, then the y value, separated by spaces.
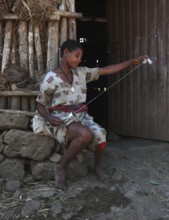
pixel 60 105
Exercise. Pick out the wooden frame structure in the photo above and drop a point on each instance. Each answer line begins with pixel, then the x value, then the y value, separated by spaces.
pixel 34 49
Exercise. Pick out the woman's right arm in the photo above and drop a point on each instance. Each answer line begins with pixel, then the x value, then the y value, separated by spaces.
pixel 54 121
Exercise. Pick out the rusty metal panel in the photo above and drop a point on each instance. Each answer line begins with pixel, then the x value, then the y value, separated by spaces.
pixel 139 104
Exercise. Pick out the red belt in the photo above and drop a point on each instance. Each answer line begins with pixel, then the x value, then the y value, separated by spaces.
pixel 69 108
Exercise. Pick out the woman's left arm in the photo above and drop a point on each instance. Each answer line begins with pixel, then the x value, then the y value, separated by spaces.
pixel 121 66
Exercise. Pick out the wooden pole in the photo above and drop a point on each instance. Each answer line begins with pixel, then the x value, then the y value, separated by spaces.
pixel 38 49
pixel 32 104
pixel 23 53
pixel 15 101
pixel 31 63
pixel 19 93
pixel 2 99
pixel 7 111
pixel 13 50
pixel 23 44
pixel 31 52
pixel 53 45
pixel 1 40
pixel 3 102
pixel 7 45
pixel 55 16
pixel 72 21
pixel 63 24
pixel 6 53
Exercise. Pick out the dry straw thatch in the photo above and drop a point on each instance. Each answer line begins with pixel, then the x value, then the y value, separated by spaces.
pixel 3 8
pixel 37 11
pixel 6 6
pixel 17 75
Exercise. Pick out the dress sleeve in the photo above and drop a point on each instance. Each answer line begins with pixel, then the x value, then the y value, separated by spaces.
pixel 91 74
pixel 47 89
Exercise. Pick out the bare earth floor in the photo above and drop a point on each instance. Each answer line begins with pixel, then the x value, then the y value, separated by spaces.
pixel 138 189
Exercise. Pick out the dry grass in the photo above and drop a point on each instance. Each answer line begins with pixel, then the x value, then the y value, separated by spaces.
pixel 15 74
pixel 3 7
pixel 6 6
pixel 36 11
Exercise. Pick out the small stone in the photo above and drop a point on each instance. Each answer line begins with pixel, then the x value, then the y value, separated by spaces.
pixel 30 207
pixel 17 194
pixel 47 194
pixel 55 157
pixel 12 185
pixel 55 210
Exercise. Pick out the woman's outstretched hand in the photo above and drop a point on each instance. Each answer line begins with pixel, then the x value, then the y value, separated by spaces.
pixel 139 59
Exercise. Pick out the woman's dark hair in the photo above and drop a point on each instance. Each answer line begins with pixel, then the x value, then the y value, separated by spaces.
pixel 70 45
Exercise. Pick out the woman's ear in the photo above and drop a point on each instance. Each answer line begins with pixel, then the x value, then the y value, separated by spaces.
pixel 65 51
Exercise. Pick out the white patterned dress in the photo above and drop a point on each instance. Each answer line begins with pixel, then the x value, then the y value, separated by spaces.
pixel 54 91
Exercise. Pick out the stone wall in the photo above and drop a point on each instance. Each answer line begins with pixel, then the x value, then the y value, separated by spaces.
pixel 23 152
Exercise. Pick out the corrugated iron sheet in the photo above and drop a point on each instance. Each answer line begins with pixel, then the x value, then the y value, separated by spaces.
pixel 139 104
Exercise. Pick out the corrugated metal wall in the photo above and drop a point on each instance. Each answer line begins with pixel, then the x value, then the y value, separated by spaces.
pixel 139 104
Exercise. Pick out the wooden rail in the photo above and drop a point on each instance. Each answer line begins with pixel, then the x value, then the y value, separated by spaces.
pixel 55 16
pixel 19 93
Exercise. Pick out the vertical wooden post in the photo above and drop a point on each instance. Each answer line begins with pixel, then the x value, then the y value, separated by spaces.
pixel 31 63
pixel 6 53
pixel 53 45
pixel 15 101
pixel 63 24
pixel 72 21
pixel 1 40
pixel 7 45
pixel 23 44
pixel 31 52
pixel 38 49
pixel 13 48
pixel 23 54
pixel 2 99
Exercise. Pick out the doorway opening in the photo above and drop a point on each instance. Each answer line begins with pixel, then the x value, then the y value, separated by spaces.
pixel 92 33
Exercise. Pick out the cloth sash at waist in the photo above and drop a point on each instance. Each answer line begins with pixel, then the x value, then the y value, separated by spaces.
pixel 69 108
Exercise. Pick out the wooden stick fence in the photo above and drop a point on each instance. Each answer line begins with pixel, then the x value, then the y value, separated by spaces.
pixel 33 49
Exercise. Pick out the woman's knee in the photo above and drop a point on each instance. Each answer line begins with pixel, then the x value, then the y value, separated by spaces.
pixel 80 132
pixel 86 135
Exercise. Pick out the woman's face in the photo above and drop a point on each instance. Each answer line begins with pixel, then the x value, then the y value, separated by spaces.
pixel 74 57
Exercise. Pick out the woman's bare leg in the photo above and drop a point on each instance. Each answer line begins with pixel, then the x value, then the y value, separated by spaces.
pixel 79 137
pixel 98 156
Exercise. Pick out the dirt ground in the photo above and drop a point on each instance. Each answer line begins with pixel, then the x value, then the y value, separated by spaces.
pixel 138 189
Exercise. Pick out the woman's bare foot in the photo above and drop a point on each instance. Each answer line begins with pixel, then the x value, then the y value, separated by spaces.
pixel 102 175
pixel 59 177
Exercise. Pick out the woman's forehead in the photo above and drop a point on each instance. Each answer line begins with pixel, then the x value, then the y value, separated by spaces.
pixel 77 51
